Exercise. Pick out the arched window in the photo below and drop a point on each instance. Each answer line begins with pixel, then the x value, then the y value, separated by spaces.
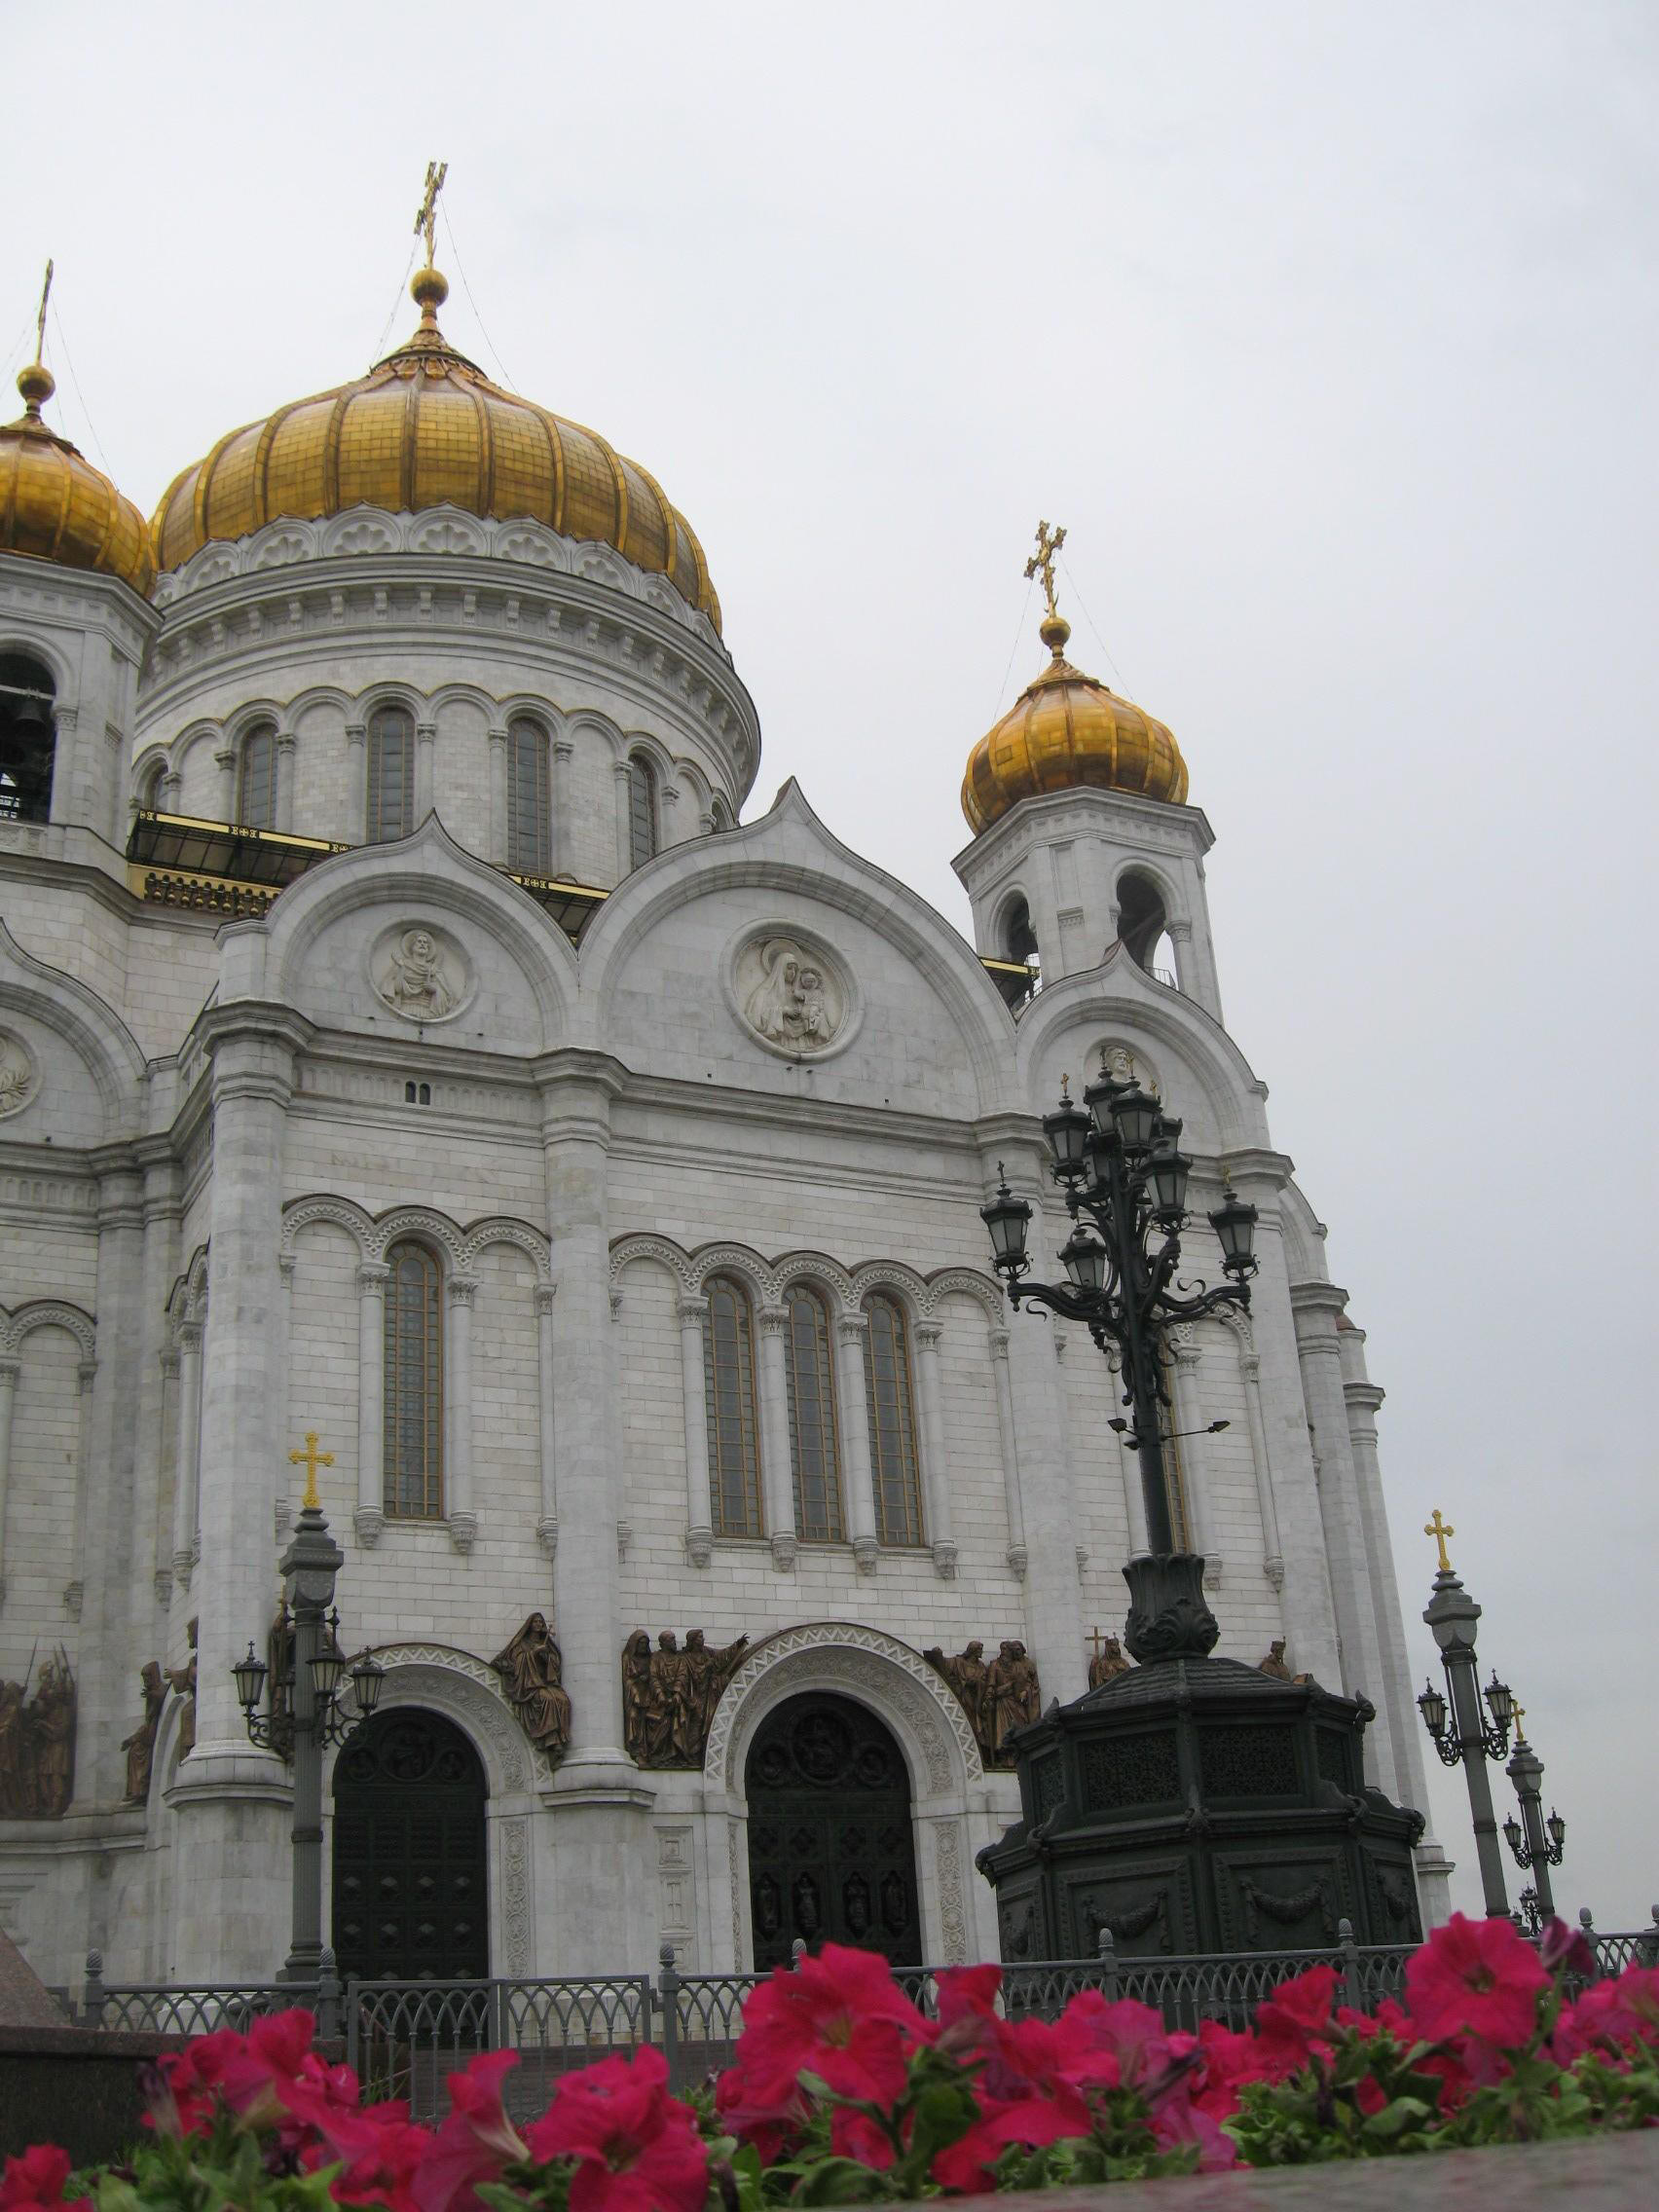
pixel 1143 926
pixel 391 774
pixel 28 739
pixel 414 1448
pixel 719 814
pixel 894 1462
pixel 642 810
pixel 1019 939
pixel 530 816
pixel 150 786
pixel 728 1371
pixel 813 1455
pixel 256 778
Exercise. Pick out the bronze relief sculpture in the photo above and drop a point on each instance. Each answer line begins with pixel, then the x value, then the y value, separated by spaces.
pixel 37 1742
pixel 140 1745
pixel 997 1698
pixel 669 1695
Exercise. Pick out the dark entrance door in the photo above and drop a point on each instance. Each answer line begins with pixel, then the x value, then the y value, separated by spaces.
pixel 830 1856
pixel 411 1896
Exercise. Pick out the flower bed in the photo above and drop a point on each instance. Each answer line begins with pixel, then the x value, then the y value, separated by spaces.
pixel 840 2091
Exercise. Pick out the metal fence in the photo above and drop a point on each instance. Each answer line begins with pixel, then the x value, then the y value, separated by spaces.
pixel 406 2037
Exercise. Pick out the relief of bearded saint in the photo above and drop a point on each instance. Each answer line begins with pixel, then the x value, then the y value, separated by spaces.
pixel 789 1005
pixel 415 982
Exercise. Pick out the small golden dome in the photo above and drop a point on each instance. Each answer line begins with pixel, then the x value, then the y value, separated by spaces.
pixel 426 428
pixel 1066 731
pixel 54 505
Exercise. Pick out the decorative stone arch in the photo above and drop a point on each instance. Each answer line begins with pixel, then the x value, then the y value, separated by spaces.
pixel 249 716
pixel 62 669
pixel 588 721
pixel 188 738
pixel 358 529
pixel 321 1206
pixel 464 1690
pixel 739 1260
pixel 824 1274
pixel 932 1730
pixel 49 1313
pixel 910 1288
pixel 1167 886
pixel 389 691
pixel 663 1250
pixel 447 530
pixel 968 1282
pixel 85 1021
pixel 501 1229
pixel 146 761
pixel 460 694
pixel 427 1226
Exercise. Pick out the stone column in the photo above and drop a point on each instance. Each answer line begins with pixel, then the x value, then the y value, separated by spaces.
pixel 187 1477
pixel 224 761
pixel 426 747
pixel 547 1527
pixel 1189 1422
pixel 1307 1606
pixel 228 1796
pixel 777 1468
pixel 461 1506
pixel 852 1342
pixel 497 849
pixel 1316 1306
pixel 356 811
pixel 369 1517
pixel 564 751
pixel 936 1457
pixel 604 1889
pixel 699 1507
pixel 161 1221
pixel 624 839
pixel 1273 1555
pixel 10 1369
pixel 75 1589
pixel 167 1424
pixel 285 747
pixel 1017 1557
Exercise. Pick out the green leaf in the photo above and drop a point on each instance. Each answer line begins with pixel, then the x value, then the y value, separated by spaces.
pixel 1395 2119
pixel 840 2181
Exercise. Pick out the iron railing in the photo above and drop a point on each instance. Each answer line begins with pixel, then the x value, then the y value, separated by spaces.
pixel 406 2037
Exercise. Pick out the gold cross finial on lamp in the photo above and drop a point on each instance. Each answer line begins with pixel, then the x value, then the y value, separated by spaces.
pixel 1520 1722
pixel 311 1458
pixel 426 214
pixel 1095 1639
pixel 1439 1529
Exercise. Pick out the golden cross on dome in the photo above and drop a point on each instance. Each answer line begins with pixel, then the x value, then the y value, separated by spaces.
pixel 311 1458
pixel 1439 1529
pixel 1042 562
pixel 426 215
pixel 40 320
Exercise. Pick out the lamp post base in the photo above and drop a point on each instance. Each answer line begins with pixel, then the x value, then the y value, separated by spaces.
pixel 1168 1618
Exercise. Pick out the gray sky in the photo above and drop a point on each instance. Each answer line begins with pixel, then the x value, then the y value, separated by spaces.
pixel 1329 331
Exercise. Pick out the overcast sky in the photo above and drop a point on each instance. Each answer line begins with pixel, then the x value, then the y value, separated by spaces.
pixel 1329 331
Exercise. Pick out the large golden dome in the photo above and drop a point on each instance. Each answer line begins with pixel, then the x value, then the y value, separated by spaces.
pixel 1065 731
pixel 54 505
pixel 426 428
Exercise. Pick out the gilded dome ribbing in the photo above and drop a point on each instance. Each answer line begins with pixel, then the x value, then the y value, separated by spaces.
pixel 426 428
pixel 1067 731
pixel 54 505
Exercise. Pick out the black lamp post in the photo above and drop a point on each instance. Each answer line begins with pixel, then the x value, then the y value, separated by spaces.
pixel 1118 1160
pixel 1536 1843
pixel 1466 1731
pixel 304 1715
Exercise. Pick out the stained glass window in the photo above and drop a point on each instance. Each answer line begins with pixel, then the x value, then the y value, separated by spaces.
pixel 641 809
pixel 391 774
pixel 812 1418
pixel 728 1369
pixel 414 1451
pixel 256 790
pixel 530 819
pixel 891 1399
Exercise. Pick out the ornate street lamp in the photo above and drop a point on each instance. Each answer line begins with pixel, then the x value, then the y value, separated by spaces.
pixel 1118 1162
pixel 1536 1843
pixel 1467 1731
pixel 305 1714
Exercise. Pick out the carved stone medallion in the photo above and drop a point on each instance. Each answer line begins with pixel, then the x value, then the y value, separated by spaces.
pixel 792 994
pixel 19 1078
pixel 420 973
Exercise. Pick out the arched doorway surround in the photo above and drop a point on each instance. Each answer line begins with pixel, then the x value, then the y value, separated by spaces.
pixel 411 1878
pixel 932 1732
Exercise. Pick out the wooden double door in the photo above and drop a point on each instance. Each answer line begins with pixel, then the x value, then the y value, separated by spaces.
pixel 411 1888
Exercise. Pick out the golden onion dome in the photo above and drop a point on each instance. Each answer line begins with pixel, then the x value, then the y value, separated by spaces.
pixel 1067 731
pixel 54 505
pixel 425 429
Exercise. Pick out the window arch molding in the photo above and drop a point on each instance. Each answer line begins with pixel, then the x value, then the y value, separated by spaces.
pixel 1149 870
pixel 150 773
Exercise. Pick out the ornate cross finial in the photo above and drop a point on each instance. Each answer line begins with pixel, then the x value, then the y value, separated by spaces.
pixel 1095 1638
pixel 311 1458
pixel 1042 562
pixel 40 320
pixel 1439 1529
pixel 1520 1721
pixel 426 214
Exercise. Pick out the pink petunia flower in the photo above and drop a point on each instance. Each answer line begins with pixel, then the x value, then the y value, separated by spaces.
pixel 840 2015
pixel 638 2148
pixel 34 2182
pixel 475 2142
pixel 1475 1978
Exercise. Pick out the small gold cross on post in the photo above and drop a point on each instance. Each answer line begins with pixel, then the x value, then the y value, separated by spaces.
pixel 311 1458
pixel 1520 1718
pixel 1439 1529
pixel 1095 1640
pixel 1042 562
pixel 426 215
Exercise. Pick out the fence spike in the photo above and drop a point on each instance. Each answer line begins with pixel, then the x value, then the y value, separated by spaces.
pixel 92 1995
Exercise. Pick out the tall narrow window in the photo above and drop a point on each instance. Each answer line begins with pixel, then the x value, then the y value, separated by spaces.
pixel 256 781
pixel 150 786
pixel 728 1368
pixel 641 809
pixel 392 775
pixel 414 1386
pixel 28 739
pixel 894 1462
pixel 719 814
pixel 812 1418
pixel 530 821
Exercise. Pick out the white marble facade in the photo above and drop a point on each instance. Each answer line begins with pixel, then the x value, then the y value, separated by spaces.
pixel 764 1058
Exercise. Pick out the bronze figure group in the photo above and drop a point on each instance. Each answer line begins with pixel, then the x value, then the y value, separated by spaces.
pixel 669 1695
pixel 997 1698
pixel 37 1742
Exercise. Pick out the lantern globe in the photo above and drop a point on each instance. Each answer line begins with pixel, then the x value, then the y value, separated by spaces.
pixel 249 1676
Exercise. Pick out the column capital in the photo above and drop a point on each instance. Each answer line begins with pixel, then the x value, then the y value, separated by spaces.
pixel 692 1311
pixel 169 1362
pixel 11 1367
pixel 773 1319
pixel 190 1337
pixel 459 1289
pixel 86 1375
pixel 999 1343
pixel 496 736
pixel 851 1328
pixel 373 1276
pixel 928 1334
pixel 620 768
pixel 225 756
pixel 285 741
pixel 356 733
pixel 545 1294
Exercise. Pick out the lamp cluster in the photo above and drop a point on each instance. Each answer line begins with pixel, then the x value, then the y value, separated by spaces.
pixel 328 1721
pixel 1489 1734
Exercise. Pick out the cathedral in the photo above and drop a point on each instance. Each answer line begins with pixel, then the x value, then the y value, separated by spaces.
pixel 428 1070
